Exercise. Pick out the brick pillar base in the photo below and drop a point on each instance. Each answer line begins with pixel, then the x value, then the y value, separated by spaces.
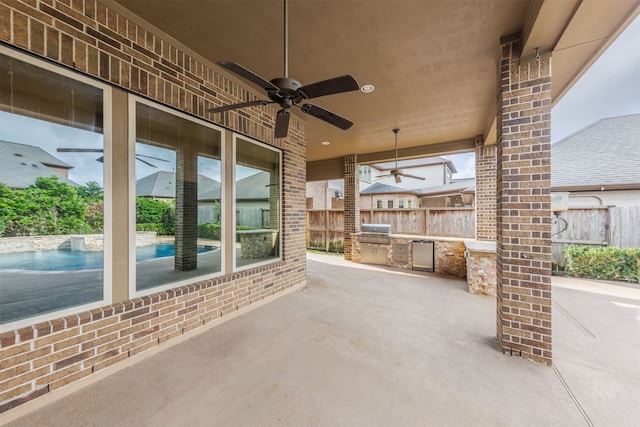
pixel 351 202
pixel 524 205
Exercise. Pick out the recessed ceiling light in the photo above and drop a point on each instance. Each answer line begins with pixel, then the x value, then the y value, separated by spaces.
pixel 325 143
pixel 367 88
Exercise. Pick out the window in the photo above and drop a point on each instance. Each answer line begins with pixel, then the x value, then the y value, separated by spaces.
pixel 379 204
pixel 364 172
pixel 401 204
pixel 257 202
pixel 178 198
pixel 54 191
pixel 390 204
pixel 409 204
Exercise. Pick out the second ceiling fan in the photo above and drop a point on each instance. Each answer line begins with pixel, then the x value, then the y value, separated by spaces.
pixel 287 92
pixel 395 172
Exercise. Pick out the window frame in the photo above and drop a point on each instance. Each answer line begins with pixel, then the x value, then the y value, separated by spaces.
pixel 107 123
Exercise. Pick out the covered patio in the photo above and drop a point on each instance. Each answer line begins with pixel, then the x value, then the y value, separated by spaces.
pixel 365 345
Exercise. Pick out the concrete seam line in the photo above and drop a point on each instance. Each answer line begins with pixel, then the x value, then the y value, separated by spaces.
pixel 572 396
pixel 575 321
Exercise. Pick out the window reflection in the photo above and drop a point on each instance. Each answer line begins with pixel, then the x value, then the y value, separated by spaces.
pixel 52 241
pixel 257 196
pixel 178 203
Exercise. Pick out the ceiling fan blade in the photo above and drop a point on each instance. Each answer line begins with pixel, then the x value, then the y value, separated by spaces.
pixel 100 159
pixel 412 176
pixel 340 84
pixel 282 123
pixel 145 162
pixel 327 116
pixel 239 105
pixel 79 150
pixel 248 75
pixel 151 157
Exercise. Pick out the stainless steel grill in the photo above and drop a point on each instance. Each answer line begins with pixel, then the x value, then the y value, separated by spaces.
pixel 375 233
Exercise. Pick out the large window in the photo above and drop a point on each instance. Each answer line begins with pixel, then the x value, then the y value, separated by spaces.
pixel 54 162
pixel 178 190
pixel 257 197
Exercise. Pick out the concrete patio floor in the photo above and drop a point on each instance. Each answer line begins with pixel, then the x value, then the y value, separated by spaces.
pixel 367 346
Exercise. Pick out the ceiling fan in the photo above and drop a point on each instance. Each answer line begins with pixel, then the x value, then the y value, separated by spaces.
pixel 287 92
pixel 101 158
pixel 395 172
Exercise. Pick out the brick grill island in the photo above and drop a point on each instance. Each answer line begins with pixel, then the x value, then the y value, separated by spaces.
pixel 395 251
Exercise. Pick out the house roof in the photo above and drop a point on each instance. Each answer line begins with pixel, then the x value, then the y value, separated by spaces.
pixel 163 184
pixel 12 148
pixel 253 187
pixel 603 155
pixel 379 188
pixel 454 187
pixel 21 165
pixel 415 163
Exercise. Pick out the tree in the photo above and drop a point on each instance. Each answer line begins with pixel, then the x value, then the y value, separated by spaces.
pixel 91 192
pixel 50 206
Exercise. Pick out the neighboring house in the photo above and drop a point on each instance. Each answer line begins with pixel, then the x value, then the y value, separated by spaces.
pixel 161 185
pixel 384 196
pixel 457 193
pixel 252 201
pixel 436 171
pixel 599 164
pixel 330 194
pixel 21 165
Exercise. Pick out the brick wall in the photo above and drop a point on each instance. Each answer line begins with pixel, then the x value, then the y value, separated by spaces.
pixel 485 197
pixel 88 37
pixel 523 205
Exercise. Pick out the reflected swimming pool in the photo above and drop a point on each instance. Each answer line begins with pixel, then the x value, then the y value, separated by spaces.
pixel 68 260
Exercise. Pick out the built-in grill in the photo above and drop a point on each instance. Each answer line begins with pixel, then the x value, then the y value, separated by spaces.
pixel 375 233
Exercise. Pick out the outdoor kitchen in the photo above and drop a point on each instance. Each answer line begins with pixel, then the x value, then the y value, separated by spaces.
pixel 376 244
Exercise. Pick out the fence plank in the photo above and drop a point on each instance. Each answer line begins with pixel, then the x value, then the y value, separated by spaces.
pixel 625 226
pixel 325 229
pixel 598 226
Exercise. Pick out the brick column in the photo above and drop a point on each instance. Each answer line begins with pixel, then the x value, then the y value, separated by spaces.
pixel 186 257
pixel 524 205
pixel 274 206
pixel 485 198
pixel 351 202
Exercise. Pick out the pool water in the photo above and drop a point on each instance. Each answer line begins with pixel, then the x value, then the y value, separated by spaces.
pixel 67 260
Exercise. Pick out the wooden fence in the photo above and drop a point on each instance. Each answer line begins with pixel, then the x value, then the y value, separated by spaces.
pixel 597 226
pixel 325 228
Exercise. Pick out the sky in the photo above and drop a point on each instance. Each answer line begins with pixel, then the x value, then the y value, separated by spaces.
pixel 610 88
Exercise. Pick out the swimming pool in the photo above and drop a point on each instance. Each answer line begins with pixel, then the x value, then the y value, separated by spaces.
pixel 68 260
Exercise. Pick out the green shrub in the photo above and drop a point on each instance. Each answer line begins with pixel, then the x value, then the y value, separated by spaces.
pixel 607 263
pixel 212 231
pixel 160 228
pixel 209 231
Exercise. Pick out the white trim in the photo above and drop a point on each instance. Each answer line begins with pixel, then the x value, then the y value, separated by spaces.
pixel 133 292
pixel 107 290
